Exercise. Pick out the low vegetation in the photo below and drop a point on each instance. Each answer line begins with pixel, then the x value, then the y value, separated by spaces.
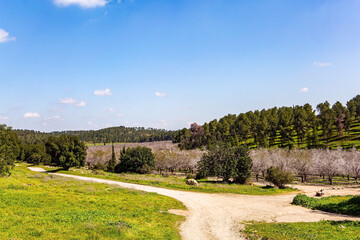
pixel 278 177
pixel 323 230
pixel 39 206
pixel 175 182
pixel 349 205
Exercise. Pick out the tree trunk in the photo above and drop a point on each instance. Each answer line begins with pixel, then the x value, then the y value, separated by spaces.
pixel 257 177
pixel 302 178
pixel 330 180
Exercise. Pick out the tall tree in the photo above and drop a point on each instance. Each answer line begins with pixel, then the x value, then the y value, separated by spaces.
pixel 327 119
pixel 112 161
pixel 9 149
pixel 286 118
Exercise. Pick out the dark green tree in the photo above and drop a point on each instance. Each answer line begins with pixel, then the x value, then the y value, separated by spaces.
pixel 286 118
pixel 135 160
pixel 327 119
pixel 112 161
pixel 36 154
pixel 10 149
pixel 66 151
pixel 226 162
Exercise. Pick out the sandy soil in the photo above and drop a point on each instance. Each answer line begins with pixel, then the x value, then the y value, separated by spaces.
pixel 220 216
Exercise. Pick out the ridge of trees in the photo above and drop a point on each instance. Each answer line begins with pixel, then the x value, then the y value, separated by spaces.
pixel 284 127
pixel 106 135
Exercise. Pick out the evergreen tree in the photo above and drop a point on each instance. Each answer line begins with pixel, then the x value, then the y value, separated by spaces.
pixel 112 161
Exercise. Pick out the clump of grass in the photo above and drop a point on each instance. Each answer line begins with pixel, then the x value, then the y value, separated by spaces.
pixel 349 205
pixel 323 230
pixel 60 208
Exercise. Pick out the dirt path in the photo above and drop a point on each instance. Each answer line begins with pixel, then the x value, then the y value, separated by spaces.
pixel 219 216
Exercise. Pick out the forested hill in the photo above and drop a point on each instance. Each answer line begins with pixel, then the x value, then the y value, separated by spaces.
pixel 106 135
pixel 300 126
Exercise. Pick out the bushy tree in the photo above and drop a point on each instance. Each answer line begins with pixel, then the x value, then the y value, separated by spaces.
pixel 135 160
pixel 66 151
pixel 278 177
pixel 36 154
pixel 9 149
pixel 226 162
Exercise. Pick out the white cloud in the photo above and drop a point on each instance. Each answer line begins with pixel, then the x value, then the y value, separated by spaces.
pixel 71 101
pixel 81 3
pixel 121 115
pixel 31 115
pixel 304 90
pixel 4 36
pixel 322 64
pixel 106 92
pixel 67 101
pixel 112 110
pixel 81 104
pixel 90 123
pixel 159 94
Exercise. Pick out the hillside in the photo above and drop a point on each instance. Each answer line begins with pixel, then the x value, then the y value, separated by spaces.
pixel 300 126
pixel 103 136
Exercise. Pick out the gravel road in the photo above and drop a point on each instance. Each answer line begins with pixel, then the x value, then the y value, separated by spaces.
pixel 220 216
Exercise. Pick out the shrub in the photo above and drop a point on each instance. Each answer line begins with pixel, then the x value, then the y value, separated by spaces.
pixel 135 159
pixel 190 176
pixel 226 162
pixel 278 177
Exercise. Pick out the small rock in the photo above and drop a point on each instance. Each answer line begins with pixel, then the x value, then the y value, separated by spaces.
pixel 319 193
pixel 192 182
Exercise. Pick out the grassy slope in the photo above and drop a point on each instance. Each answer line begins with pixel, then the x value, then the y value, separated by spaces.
pixel 178 183
pixel 34 205
pixel 347 140
pixel 349 205
pixel 323 230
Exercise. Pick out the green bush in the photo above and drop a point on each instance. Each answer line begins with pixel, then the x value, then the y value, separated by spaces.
pixel 278 177
pixel 336 204
pixel 137 160
pixel 226 162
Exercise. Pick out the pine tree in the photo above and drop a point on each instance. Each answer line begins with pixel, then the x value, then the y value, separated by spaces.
pixel 112 162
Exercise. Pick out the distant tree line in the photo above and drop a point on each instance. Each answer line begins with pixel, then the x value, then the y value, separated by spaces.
pixel 106 135
pixel 63 151
pixel 284 127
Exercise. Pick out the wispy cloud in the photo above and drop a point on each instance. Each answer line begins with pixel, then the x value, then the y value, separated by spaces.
pixel 4 36
pixel 56 117
pixel 81 104
pixel 3 118
pixel 31 115
pixel 121 115
pixel 112 109
pixel 67 101
pixel 304 90
pixel 81 3
pixel 322 64
pixel 105 92
pixel 72 101
pixel 160 94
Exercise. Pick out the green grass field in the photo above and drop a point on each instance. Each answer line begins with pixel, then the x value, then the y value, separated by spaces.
pixel 323 230
pixel 177 183
pixel 349 205
pixel 40 206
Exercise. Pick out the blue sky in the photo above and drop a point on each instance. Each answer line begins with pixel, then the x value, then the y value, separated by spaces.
pixel 90 64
